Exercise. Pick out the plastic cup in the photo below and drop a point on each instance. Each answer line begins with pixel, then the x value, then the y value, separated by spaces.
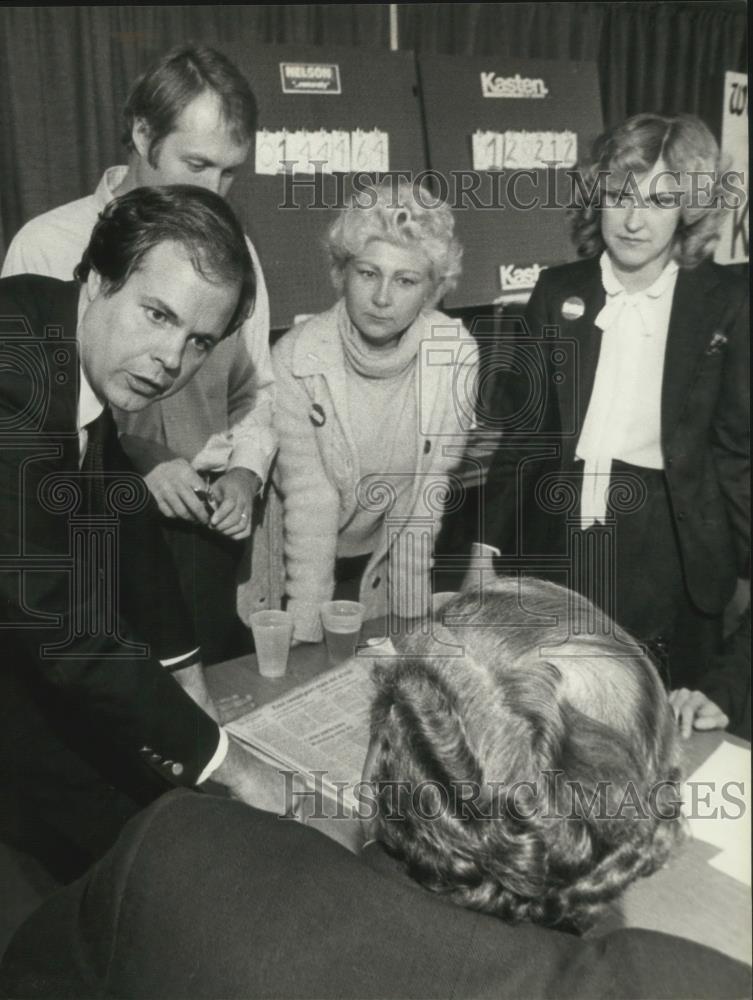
pixel 341 621
pixel 272 631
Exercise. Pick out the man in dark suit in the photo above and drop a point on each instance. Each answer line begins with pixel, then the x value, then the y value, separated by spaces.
pixel 189 119
pixel 94 634
pixel 643 404
pixel 461 796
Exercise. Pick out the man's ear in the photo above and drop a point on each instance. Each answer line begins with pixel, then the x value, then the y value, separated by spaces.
pixel 93 284
pixel 141 137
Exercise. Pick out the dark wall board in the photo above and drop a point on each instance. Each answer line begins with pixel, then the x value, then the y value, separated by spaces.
pixel 287 216
pixel 514 221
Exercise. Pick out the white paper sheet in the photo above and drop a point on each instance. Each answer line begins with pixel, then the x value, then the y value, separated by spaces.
pixel 322 726
pixel 717 805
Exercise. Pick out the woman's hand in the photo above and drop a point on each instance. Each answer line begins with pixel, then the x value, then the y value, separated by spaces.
pixel 693 710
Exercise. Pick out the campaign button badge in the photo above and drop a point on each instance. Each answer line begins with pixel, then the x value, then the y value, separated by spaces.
pixel 573 308
pixel 317 415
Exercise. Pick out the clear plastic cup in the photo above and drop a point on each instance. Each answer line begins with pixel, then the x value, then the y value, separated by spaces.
pixel 272 631
pixel 341 621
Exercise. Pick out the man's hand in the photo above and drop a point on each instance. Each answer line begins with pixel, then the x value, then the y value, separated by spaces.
pixel 172 485
pixel 234 492
pixel 693 710
pixel 191 679
pixel 257 784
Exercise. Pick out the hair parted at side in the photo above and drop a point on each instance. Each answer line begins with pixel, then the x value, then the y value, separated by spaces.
pixel 404 214
pixel 163 92
pixel 535 776
pixel 198 220
pixel 686 145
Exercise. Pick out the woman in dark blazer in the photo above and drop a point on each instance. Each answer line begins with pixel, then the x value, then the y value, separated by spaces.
pixel 644 495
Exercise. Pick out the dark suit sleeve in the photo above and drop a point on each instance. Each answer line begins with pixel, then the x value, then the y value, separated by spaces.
pixel 727 683
pixel 540 313
pixel 282 911
pixel 730 432
pixel 52 617
pixel 537 309
pixel 529 410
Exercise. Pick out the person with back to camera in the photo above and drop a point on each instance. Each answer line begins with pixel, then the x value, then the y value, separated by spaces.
pixel 365 412
pixel 510 794
pixel 653 400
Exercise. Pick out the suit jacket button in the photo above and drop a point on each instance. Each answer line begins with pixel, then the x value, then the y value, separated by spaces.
pixel 427 447
pixel 177 769
pixel 681 515
pixel 377 581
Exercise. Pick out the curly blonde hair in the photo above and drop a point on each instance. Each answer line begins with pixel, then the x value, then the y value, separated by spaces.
pixel 404 215
pixel 685 144
pixel 535 776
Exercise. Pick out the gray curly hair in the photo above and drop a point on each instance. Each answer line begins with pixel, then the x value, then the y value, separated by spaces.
pixel 533 777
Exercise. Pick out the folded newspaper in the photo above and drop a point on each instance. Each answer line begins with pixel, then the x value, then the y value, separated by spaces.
pixel 320 729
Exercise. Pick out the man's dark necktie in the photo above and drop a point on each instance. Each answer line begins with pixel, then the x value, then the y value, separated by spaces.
pixel 93 463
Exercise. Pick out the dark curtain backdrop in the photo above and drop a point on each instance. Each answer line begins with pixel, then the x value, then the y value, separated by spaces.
pixel 65 71
pixel 651 56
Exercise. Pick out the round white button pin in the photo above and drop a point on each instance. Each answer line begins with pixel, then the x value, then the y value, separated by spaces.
pixel 573 308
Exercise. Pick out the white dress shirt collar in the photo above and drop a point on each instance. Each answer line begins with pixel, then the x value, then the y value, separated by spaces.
pixel 613 285
pixel 642 303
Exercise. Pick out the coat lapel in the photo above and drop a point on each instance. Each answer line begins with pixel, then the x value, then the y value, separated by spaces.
pixel 574 391
pixel 63 367
pixel 695 307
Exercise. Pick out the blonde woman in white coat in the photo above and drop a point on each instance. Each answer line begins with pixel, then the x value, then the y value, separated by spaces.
pixel 374 404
